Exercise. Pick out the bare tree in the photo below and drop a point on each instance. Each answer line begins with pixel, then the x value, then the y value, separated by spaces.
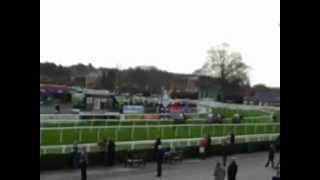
pixel 225 65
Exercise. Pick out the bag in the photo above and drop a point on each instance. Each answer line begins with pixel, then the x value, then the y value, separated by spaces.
pixel 201 149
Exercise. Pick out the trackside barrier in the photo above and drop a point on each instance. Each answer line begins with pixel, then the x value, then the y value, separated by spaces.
pixel 136 145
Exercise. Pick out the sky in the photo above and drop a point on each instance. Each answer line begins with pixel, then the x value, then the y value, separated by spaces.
pixel 173 35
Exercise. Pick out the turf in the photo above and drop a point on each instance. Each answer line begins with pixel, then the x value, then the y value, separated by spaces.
pixel 118 133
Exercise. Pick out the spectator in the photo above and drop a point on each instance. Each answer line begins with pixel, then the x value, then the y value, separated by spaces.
pixel 210 118
pixel 208 150
pixel 202 148
pixel 218 118
pixel 232 138
pixel 232 142
pixel 232 170
pixel 225 153
pixel 57 108
pixel 159 159
pixel 111 153
pixel 271 156
pixel 104 150
pixel 219 172
pixel 84 164
pixel 156 148
pixel 75 156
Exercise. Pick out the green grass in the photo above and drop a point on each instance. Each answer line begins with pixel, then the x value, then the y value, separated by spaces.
pixel 52 137
pixel 142 122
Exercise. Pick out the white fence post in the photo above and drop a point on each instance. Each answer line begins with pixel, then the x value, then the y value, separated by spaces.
pixel 40 137
pixel 61 136
pixel 201 131
pixel 175 132
pixel 80 135
pixel 161 132
pixel 132 132
pixel 98 135
pixel 148 132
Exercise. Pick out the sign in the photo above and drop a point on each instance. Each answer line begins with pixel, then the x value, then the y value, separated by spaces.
pixel 130 109
pixel 59 116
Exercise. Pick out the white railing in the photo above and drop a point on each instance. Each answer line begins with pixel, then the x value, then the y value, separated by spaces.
pixel 211 103
pixel 59 133
pixel 148 144
pixel 61 121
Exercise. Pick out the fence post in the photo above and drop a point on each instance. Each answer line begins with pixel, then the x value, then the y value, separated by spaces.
pixel 255 128
pixel 148 132
pixel 161 132
pixel 116 133
pixel 40 137
pixel 201 130
pixel 98 134
pixel 80 135
pixel 61 136
pixel 132 132
pixel 224 130
pixel 189 133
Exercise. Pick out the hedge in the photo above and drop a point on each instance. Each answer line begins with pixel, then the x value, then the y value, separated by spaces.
pixel 64 161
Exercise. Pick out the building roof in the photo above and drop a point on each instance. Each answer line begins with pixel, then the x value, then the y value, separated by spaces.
pixel 52 88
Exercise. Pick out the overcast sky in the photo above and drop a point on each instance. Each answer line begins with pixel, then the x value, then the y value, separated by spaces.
pixel 173 35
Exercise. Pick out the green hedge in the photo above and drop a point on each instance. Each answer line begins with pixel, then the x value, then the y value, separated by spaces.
pixel 64 161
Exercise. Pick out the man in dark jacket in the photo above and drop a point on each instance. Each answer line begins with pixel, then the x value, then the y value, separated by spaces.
pixel 156 147
pixel 231 145
pixel 232 138
pixel 232 170
pixel 225 153
pixel 271 156
pixel 160 155
pixel 111 153
pixel 75 156
pixel 83 164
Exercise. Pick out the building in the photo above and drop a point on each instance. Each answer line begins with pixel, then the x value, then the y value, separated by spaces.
pixel 267 96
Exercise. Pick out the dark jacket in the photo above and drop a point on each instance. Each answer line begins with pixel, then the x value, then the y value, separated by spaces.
pixel 232 171
pixel 232 138
pixel 155 148
pixel 271 153
pixel 111 152
pixel 160 156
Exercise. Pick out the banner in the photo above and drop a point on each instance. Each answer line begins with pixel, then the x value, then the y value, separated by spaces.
pixel 130 109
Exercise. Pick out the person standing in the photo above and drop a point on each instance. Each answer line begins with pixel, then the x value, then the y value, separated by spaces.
pixel 202 148
pixel 111 153
pixel 208 150
pixel 232 142
pixel 270 157
pixel 84 164
pixel 219 173
pixel 156 148
pixel 160 156
pixel 232 138
pixel 104 150
pixel 232 170
pixel 225 153
pixel 57 108
pixel 75 156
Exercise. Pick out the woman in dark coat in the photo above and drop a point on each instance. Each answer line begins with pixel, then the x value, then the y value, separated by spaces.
pixel 232 170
